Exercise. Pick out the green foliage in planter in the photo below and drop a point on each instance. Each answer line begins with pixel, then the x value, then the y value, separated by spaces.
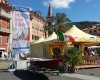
pixel 9 52
pixel 98 52
pixel 56 51
pixel 73 57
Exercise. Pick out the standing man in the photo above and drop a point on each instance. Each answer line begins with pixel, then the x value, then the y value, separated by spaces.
pixel 4 55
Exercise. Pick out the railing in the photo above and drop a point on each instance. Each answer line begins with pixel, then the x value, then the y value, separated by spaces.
pixel 5 30
pixel 5 14
pixel 91 59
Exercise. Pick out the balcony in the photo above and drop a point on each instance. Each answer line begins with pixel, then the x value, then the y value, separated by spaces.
pixel 4 14
pixel 4 30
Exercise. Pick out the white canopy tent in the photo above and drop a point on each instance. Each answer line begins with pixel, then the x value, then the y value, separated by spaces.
pixel 37 48
pixel 81 36
pixel 51 38
pixel 40 50
pixel 38 41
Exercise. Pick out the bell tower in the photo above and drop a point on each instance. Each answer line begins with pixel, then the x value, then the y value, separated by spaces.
pixel 49 15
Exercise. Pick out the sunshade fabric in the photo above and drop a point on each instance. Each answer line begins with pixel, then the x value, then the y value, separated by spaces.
pixel 81 36
pixel 52 37
pixel 65 37
pixel 38 41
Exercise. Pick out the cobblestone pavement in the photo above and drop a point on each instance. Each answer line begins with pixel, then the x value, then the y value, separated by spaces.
pixel 84 74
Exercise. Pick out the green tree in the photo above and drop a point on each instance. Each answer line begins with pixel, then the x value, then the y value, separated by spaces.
pixel 73 57
pixel 46 29
pixel 60 19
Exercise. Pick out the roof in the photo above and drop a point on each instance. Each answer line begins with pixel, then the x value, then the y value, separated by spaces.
pixel 79 35
pixel 51 38
pixel 38 41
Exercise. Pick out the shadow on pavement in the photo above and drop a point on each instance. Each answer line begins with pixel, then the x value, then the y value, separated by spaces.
pixel 23 75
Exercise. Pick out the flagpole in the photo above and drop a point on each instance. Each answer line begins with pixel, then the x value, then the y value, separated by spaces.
pixel 12 69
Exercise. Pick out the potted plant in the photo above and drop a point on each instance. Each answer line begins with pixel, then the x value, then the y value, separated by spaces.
pixel 72 58
pixel 57 53
pixel 98 52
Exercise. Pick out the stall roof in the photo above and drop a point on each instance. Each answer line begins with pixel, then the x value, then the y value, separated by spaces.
pixel 51 38
pixel 38 41
pixel 81 36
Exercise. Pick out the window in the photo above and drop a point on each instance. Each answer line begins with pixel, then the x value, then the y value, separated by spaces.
pixel 0 18
pixel 90 32
pixel 32 26
pixel 8 27
pixel 32 37
pixel 94 31
pixel 36 37
pixel 7 39
pixel 7 11
pixel 8 21
pixel 0 8
pixel 0 26
pixel 0 40
pixel 99 29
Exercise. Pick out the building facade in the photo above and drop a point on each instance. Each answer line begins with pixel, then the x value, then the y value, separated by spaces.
pixel 93 29
pixel 5 24
pixel 37 22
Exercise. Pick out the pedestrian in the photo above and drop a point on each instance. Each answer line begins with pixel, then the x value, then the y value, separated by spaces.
pixel 4 54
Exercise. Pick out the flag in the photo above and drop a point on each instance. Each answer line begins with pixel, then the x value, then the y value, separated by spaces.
pixel 65 37
pixel 21 30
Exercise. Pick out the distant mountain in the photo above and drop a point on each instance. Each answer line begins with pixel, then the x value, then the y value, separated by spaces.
pixel 83 24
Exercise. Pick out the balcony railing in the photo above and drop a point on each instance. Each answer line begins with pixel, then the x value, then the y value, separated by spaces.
pixel 5 30
pixel 5 14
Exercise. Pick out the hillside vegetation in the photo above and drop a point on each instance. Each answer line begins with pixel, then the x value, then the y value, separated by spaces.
pixel 82 24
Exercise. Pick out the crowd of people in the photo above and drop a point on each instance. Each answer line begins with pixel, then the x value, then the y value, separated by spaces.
pixel 91 52
pixel 5 55
pixel 8 55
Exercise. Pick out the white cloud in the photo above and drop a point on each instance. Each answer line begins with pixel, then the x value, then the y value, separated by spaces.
pixel 59 3
pixel 94 6
pixel 88 0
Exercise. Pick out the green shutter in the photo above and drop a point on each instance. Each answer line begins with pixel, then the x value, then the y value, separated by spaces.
pixel 0 8
pixel 32 37
pixel 0 40
pixel 0 26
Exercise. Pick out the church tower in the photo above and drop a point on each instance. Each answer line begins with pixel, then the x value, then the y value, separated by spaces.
pixel 49 15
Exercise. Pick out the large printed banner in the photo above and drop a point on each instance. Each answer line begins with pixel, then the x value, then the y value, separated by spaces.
pixel 21 30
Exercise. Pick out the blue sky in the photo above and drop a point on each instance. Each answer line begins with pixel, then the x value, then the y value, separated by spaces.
pixel 76 10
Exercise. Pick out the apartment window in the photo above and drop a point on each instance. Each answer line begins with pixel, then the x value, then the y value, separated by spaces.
pixel 0 40
pixel 36 37
pixel 0 26
pixel 32 26
pixel 8 27
pixel 33 37
pixel 99 29
pixel 94 31
pixel 8 21
pixel 7 11
pixel 0 8
pixel 90 32
pixel 7 39
pixel 0 18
